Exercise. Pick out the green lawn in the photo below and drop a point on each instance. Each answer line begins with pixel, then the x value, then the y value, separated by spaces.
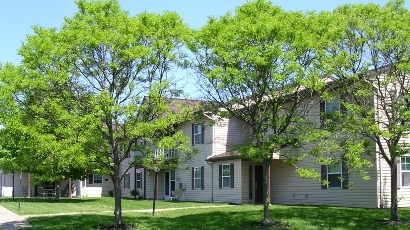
pixel 98 212
pixel 39 206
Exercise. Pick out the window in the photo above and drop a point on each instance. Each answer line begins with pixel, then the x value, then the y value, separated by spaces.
pixel 329 111
pixel 127 181
pixel 197 134
pixel 172 180
pixel 197 178
pixel 139 177
pixel 405 171
pixel 332 108
pixel 95 179
pixel 169 153
pixel 226 176
pixel 336 175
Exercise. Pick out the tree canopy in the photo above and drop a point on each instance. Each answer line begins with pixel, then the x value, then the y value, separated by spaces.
pixel 85 93
pixel 260 64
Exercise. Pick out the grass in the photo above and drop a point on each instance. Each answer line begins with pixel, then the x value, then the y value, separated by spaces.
pixel 42 206
pixel 98 212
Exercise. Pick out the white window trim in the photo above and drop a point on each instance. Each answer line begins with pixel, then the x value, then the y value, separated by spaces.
pixel 197 140
pixel 127 183
pixel 335 173
pixel 334 100
pixel 197 178
pixel 400 178
pixel 140 179
pixel 172 179
pixel 98 175
pixel 229 177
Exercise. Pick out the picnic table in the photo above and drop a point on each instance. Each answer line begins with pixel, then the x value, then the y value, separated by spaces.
pixel 46 192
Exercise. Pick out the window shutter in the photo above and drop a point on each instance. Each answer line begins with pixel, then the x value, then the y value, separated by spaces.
pixel 345 175
pixel 220 176
pixel 193 178
pixel 323 175
pixel 90 179
pixel 193 134
pixel 202 134
pixel 202 178
pixel 232 176
pixel 322 114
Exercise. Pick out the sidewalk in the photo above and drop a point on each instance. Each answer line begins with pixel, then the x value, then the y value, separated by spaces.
pixel 10 220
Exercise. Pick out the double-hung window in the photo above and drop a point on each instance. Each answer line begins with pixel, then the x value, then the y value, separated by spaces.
pixel 95 179
pixel 226 176
pixel 138 179
pixel 332 109
pixel 334 175
pixel 197 134
pixel 127 181
pixel 405 171
pixel 197 178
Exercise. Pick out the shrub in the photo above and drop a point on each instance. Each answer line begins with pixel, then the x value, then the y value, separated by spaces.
pixel 135 192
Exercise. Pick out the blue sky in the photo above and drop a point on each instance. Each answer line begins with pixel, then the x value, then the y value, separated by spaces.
pixel 17 16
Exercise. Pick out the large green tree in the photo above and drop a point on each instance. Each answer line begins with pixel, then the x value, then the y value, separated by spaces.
pixel 91 89
pixel 259 64
pixel 370 57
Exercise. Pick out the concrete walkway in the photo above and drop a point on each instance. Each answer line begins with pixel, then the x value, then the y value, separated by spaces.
pixel 10 220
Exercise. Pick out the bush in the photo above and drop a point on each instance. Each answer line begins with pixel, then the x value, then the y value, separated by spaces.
pixel 135 192
pixel 111 193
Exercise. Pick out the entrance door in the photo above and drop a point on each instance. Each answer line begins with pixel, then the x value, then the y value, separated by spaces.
pixel 258 184
pixel 169 184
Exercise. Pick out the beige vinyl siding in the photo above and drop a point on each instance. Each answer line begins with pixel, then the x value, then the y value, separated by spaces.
pixel 384 182
pixel 100 189
pixel 245 182
pixel 230 195
pixel 404 196
pixel 141 190
pixel 149 182
pixel 184 174
pixel 227 133
pixel 288 188
pixel 125 164
pixel 7 184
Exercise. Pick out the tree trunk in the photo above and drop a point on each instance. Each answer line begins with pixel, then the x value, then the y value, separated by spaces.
pixel 117 198
pixel 266 191
pixel 394 212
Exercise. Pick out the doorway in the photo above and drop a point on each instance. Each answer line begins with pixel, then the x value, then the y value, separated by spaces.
pixel 169 184
pixel 258 184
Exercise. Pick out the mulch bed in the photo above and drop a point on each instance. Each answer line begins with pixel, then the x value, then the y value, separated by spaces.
pixel 117 227
pixel 394 223
pixel 272 224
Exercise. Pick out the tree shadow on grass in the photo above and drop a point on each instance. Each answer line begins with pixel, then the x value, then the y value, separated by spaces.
pixel 241 217
pixel 47 200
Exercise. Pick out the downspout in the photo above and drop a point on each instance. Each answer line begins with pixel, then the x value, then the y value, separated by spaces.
pixel 145 183
pixel 135 182
pixel 212 180
pixel 210 163
pixel 380 184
